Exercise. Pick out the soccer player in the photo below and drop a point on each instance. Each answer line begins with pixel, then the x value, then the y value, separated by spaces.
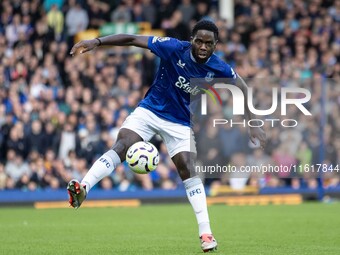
pixel 166 109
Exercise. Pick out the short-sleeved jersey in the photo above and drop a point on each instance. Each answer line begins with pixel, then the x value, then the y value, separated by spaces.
pixel 169 95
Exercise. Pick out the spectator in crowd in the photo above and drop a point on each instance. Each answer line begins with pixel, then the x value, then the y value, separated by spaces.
pixel 122 13
pixel 176 28
pixel 48 4
pixel 187 9
pixel 76 20
pixel 55 19
pixel 36 137
pixel 97 12
pixel 164 13
pixel 3 177
pixel 14 29
pixel 148 12
pixel 16 167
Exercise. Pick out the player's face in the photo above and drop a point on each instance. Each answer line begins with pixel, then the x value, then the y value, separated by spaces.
pixel 203 45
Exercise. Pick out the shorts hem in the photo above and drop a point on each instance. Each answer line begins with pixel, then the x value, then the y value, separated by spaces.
pixel 180 149
pixel 136 131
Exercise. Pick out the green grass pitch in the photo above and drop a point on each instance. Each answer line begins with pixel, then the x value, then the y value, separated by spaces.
pixel 310 228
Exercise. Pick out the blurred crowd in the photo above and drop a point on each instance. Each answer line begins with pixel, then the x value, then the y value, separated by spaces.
pixel 59 113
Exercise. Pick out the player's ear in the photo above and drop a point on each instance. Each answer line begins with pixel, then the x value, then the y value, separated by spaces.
pixel 191 38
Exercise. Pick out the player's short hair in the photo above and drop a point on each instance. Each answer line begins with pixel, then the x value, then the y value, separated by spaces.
pixel 205 24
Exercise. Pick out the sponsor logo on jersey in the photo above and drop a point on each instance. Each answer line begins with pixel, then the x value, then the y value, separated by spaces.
pixel 180 64
pixel 185 86
pixel 160 39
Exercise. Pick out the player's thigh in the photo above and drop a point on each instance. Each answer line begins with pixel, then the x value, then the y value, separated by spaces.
pixel 134 129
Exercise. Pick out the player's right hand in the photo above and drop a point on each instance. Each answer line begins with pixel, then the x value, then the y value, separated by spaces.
pixel 84 46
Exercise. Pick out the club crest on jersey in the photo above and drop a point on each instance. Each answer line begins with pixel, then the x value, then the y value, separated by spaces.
pixel 209 77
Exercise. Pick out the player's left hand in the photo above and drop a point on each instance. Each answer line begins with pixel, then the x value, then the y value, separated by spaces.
pixel 257 134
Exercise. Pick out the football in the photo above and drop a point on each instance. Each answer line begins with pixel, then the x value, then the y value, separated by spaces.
pixel 142 157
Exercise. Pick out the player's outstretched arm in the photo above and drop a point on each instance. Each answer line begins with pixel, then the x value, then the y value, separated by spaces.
pixel 110 40
pixel 254 132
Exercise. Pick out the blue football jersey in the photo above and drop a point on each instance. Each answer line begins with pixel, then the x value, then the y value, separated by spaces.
pixel 169 94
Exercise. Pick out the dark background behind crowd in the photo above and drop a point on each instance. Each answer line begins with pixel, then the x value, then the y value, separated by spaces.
pixel 58 114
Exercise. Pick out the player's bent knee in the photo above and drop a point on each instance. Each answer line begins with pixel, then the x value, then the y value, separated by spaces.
pixel 125 139
pixel 121 148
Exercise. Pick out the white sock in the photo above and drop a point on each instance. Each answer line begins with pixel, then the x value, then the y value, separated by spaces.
pixel 101 168
pixel 196 195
